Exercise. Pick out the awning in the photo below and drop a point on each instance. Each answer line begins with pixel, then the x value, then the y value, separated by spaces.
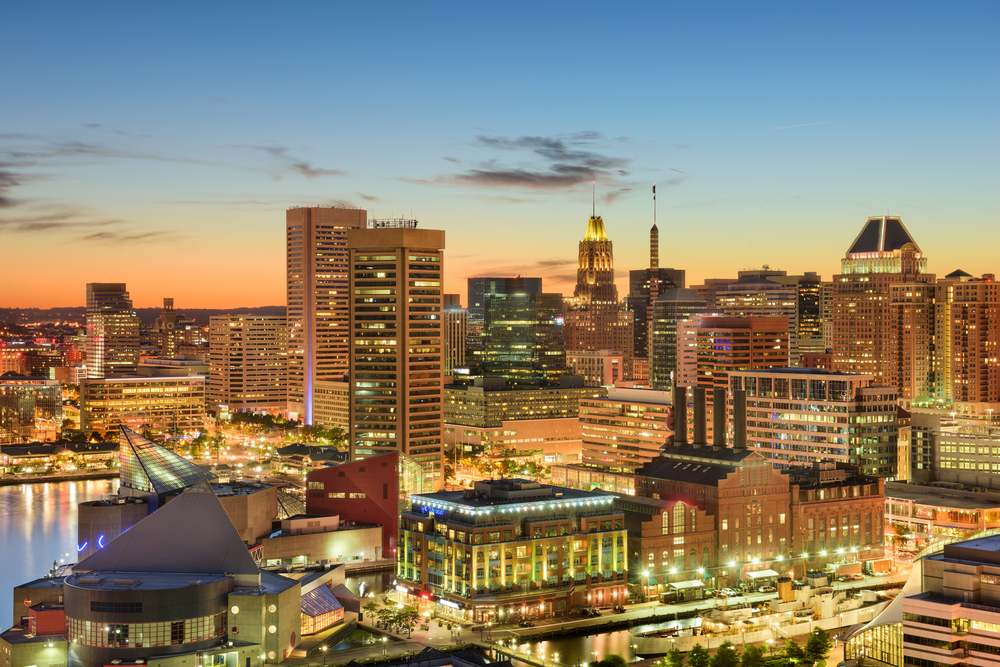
pixel 682 585
pixel 761 574
pixel 652 580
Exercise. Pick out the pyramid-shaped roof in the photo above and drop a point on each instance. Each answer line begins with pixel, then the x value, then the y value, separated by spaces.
pixel 595 230
pixel 959 273
pixel 190 534
pixel 147 466
pixel 882 234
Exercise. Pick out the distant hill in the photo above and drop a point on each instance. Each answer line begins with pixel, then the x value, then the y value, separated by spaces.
pixel 146 315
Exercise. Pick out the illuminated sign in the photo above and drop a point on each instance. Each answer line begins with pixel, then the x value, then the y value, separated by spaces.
pixel 449 603
pixel 424 509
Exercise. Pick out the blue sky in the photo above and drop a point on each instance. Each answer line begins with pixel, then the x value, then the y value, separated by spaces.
pixel 137 133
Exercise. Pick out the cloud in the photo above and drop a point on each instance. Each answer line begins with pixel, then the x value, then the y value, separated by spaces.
pixel 112 130
pixel 545 163
pixel 682 146
pixel 75 224
pixel 615 194
pixel 554 263
pixel 8 181
pixel 301 167
pixel 452 159
pixel 678 170
pixel 368 197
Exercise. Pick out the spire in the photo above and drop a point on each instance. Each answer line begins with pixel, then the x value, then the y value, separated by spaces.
pixel 654 238
pixel 593 198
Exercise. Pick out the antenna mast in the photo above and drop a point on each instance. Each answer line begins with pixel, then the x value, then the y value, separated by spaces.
pixel 593 212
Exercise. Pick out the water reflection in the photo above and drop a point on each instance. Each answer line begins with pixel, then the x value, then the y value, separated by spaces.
pixel 38 526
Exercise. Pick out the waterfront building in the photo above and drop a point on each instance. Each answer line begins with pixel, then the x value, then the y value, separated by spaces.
pixel 156 403
pixel 396 354
pixel 866 339
pixel 317 273
pixel 248 361
pixel 30 407
pixel 796 416
pixel 511 550
pixel 599 368
pixel 948 612
pixel 625 429
pixel 595 319
pixel 934 513
pixel 673 306
pixel 112 330
pixel 56 456
pixel 478 289
pixel 456 332
pixel 523 337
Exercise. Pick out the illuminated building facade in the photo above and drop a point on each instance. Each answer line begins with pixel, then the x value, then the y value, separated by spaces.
pixel 757 296
pixel 595 320
pixel 456 331
pixel 523 337
pixel 598 368
pixel 29 406
pixel 798 416
pixel 396 273
pixel 626 429
pixel 112 330
pixel 967 340
pixel 332 404
pixel 673 306
pixel 864 333
pixel 317 273
pixel 481 287
pixel 510 550
pixel 248 363
pixel 160 404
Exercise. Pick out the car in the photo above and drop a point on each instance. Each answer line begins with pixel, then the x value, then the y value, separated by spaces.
pixel 768 589
pixel 619 608
pixel 730 592
pixel 526 624
pixel 857 577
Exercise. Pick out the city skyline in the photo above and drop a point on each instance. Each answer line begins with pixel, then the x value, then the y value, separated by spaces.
pixel 124 143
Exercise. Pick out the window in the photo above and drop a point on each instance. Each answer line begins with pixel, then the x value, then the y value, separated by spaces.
pixel 679 517
pixel 337 495
pixel 781 519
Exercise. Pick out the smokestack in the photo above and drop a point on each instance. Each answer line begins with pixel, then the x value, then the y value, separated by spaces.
pixel 719 416
pixel 680 415
pixel 699 417
pixel 739 419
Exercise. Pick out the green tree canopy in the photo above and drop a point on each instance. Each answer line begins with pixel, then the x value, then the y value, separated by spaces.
pixel 698 656
pixel 753 656
pixel 818 645
pixel 674 658
pixel 793 651
pixel 726 656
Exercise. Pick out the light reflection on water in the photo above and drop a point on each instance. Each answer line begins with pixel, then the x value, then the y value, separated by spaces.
pixel 37 527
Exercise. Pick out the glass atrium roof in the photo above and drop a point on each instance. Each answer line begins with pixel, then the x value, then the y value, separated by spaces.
pixel 147 466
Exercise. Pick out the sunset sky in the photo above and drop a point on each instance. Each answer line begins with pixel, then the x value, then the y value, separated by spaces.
pixel 159 143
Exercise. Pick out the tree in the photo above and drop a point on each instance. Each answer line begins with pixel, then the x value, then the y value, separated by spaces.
pixel 698 656
pixel 674 658
pixel 901 535
pixel 613 660
pixel 793 651
pixel 66 424
pixel 818 645
pixel 726 656
pixel 753 656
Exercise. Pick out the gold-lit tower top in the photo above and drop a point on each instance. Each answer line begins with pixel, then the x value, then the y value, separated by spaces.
pixel 595 230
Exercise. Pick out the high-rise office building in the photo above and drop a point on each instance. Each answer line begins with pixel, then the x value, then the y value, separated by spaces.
pixel 479 288
pixel 882 255
pixel 317 268
pixel 396 273
pixel 626 429
pixel 645 286
pixel 798 416
pixel 523 337
pixel 456 331
pixel 676 305
pixel 595 320
pixel 112 331
pixel 247 363
pixel 967 337
pixel 757 296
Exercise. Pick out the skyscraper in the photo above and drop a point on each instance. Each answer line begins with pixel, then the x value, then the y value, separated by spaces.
pixel 883 254
pixel 595 320
pixel 396 273
pixel 247 363
pixel 967 340
pixel 523 337
pixel 674 306
pixel 317 268
pixel 456 331
pixel 112 331
pixel 479 289
pixel 645 287
pixel 757 296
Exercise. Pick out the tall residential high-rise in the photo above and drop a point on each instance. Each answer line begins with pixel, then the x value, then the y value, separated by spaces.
pixel 112 331
pixel 645 287
pixel 479 289
pixel 396 273
pixel 595 319
pixel 674 306
pixel 247 363
pixel 456 331
pixel 911 340
pixel 882 255
pixel 523 337
pixel 317 268
pixel 799 416
pixel 967 340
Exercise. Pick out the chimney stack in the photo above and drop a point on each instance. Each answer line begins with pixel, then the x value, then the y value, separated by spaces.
pixel 719 416
pixel 698 418
pixel 680 415
pixel 739 419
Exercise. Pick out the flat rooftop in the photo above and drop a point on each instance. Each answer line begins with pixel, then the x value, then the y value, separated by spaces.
pixel 940 499
pixel 559 494
pixel 20 635
pixel 103 580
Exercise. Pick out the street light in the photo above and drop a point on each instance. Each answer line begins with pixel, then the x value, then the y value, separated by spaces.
pixel 323 648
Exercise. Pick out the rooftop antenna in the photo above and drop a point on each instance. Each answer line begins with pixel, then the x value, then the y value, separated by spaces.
pixel 654 204
pixel 593 185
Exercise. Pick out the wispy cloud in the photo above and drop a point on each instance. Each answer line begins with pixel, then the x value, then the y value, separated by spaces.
pixel 546 163
pixel 76 224
pixel 284 158
pixel 788 127
pixel 113 130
